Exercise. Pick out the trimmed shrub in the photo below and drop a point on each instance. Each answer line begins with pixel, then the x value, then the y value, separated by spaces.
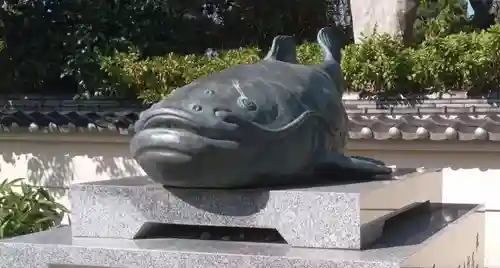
pixel 379 66
pixel 481 64
pixel 153 78
pixel 31 210
pixel 460 61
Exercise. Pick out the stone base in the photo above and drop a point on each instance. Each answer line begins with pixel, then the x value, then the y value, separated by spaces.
pixel 348 215
pixel 431 235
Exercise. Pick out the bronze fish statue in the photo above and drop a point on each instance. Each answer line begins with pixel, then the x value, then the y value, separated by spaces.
pixel 253 125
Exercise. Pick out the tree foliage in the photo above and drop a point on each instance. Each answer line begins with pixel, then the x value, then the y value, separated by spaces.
pixel 52 45
pixel 439 18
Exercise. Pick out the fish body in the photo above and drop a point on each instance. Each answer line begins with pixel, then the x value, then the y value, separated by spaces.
pixel 251 125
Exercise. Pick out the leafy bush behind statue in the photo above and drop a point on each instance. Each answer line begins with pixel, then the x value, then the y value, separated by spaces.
pixel 380 65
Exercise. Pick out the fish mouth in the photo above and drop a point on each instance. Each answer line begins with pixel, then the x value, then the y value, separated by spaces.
pixel 174 145
pixel 172 136
pixel 168 119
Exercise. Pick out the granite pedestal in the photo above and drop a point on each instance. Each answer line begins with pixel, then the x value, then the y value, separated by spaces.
pixel 135 223
pixel 348 215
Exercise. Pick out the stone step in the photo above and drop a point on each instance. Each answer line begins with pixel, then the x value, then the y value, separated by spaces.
pixel 430 235
pixel 347 215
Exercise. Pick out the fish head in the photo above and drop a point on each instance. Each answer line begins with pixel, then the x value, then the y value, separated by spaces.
pixel 204 133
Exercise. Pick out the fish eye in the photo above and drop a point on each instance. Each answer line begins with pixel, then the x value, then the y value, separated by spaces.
pixel 209 92
pixel 197 108
pixel 246 103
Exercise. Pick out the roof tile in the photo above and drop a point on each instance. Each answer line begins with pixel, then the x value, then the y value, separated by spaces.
pixel 443 119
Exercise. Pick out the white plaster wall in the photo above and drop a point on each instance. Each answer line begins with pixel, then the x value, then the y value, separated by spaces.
pixel 60 162
pixel 57 161
pixel 471 174
pixel 478 186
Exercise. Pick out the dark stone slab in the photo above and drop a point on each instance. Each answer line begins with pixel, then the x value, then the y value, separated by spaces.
pixel 345 215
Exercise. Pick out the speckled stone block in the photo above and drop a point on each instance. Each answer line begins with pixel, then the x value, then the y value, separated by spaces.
pixel 348 215
pixel 444 236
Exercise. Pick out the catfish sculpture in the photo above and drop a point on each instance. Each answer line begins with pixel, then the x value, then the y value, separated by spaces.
pixel 271 123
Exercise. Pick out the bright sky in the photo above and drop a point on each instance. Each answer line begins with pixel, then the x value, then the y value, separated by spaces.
pixel 469 9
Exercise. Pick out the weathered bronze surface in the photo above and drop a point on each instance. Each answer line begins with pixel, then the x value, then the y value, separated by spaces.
pixel 272 123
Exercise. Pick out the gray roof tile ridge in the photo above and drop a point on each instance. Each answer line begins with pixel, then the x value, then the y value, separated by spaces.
pixel 432 119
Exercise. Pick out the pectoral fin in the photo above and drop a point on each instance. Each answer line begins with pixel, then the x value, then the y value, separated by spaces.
pixel 338 162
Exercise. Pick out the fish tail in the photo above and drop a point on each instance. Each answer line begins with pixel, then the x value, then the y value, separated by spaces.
pixel 328 40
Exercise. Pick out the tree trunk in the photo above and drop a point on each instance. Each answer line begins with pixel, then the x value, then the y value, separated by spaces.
pixel 395 17
pixel 485 12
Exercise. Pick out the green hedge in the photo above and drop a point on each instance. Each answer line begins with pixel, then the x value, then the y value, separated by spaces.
pixel 463 61
pixel 153 78
pixel 380 65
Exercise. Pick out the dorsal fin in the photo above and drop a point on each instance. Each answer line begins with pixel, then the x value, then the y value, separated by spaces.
pixel 329 44
pixel 282 49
